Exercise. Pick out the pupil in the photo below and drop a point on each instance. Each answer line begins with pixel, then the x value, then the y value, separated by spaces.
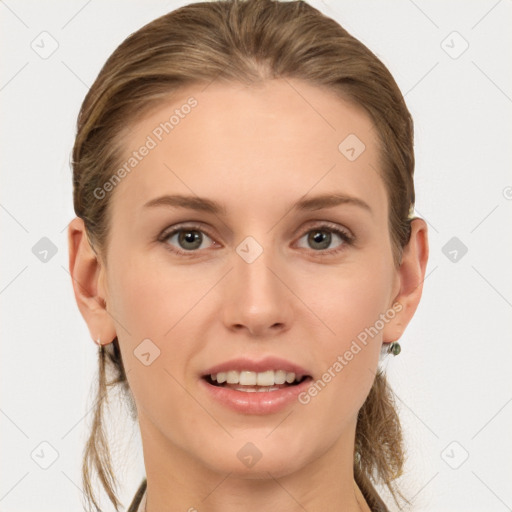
pixel 190 237
pixel 322 238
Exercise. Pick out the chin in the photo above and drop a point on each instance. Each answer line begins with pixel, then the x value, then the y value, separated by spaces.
pixel 252 464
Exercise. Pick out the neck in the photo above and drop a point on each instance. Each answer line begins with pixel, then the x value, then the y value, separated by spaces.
pixel 176 481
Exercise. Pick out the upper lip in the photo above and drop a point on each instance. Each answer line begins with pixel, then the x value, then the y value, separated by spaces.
pixel 257 365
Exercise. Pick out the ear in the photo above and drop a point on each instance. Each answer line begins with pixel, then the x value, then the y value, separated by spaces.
pixel 88 273
pixel 410 277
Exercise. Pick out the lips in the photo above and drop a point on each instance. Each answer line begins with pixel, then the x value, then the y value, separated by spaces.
pixel 261 401
pixel 255 399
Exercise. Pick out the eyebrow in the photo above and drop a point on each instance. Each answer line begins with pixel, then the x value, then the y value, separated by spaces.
pixel 207 205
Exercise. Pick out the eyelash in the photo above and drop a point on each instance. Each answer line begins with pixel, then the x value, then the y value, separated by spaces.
pixel 347 239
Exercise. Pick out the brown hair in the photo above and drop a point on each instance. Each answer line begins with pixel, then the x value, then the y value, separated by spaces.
pixel 246 42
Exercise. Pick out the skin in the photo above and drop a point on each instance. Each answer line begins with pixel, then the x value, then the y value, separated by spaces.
pixel 256 150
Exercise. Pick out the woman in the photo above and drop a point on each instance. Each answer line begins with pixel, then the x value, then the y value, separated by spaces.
pixel 244 252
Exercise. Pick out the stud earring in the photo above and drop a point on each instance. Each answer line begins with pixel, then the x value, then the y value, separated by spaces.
pixel 393 348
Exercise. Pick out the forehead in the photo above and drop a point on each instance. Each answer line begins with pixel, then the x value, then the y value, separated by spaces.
pixel 244 145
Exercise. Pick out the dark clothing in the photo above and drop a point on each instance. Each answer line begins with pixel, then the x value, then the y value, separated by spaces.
pixel 138 497
pixel 374 501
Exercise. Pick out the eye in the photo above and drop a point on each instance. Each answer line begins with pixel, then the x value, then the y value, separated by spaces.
pixel 188 239
pixel 320 238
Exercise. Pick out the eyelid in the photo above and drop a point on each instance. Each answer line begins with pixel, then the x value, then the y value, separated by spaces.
pixel 322 224
pixel 192 226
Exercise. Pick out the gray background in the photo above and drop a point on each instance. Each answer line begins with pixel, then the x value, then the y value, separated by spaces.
pixel 452 379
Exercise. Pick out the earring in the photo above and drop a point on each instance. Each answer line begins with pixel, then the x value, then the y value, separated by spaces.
pixel 393 348
pixel 98 341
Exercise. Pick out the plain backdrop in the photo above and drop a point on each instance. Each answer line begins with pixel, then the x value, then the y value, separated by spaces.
pixel 452 61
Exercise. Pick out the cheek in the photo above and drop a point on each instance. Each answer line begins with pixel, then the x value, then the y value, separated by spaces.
pixel 151 303
pixel 350 305
pixel 349 299
pixel 151 308
pixel 151 298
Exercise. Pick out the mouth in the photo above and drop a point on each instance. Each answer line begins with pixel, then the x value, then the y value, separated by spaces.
pixel 251 382
pixel 255 386
pixel 248 392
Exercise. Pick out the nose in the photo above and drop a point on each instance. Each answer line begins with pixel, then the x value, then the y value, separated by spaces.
pixel 256 297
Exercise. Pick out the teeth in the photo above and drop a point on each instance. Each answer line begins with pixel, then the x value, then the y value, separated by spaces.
pixel 290 377
pixel 280 377
pixel 262 378
pixel 232 377
pixel 247 378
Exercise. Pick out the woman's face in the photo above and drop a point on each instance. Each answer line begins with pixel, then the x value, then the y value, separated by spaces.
pixel 258 278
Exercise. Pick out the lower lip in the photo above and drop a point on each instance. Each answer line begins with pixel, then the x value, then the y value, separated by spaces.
pixel 258 402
